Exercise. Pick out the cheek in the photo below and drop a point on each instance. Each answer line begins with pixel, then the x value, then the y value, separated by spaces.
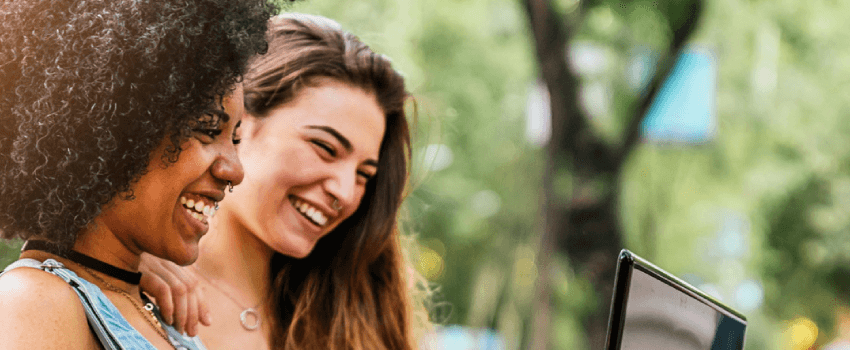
pixel 257 198
pixel 157 191
pixel 193 162
pixel 357 206
pixel 286 168
pixel 262 178
pixel 360 194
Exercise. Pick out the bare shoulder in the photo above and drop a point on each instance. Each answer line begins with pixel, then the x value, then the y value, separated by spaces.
pixel 41 311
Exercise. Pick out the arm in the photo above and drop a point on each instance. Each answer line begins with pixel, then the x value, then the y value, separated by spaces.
pixel 40 311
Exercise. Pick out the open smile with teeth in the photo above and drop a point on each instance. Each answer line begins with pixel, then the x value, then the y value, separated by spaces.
pixel 308 211
pixel 199 208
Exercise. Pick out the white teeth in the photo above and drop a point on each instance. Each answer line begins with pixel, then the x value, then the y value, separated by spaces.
pixel 198 210
pixel 319 218
pixel 313 214
pixel 195 215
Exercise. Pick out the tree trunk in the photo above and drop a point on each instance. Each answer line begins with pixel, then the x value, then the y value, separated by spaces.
pixel 585 226
pixel 592 240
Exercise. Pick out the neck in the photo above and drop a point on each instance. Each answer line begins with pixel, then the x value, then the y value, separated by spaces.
pixel 100 243
pixel 232 254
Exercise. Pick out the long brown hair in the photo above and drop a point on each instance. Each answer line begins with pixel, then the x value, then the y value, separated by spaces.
pixel 350 292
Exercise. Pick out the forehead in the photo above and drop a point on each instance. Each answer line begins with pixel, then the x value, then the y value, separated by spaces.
pixel 233 103
pixel 352 112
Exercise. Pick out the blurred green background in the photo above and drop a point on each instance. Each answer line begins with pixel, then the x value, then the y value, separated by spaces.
pixel 756 213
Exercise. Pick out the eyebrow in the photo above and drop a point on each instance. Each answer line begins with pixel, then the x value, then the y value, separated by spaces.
pixel 342 139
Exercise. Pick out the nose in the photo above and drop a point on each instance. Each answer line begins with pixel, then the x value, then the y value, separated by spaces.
pixel 228 168
pixel 342 185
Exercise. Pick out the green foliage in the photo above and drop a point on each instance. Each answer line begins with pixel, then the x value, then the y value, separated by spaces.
pixel 9 251
pixel 780 160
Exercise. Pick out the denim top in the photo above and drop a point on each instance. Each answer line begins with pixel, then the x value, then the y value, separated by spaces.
pixel 112 329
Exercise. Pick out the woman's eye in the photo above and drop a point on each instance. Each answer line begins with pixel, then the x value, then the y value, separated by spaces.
pixel 331 151
pixel 211 133
pixel 366 176
pixel 236 138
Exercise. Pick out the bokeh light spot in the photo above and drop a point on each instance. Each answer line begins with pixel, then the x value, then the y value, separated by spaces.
pixel 430 264
pixel 801 333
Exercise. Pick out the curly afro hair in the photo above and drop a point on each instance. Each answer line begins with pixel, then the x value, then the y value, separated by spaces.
pixel 88 89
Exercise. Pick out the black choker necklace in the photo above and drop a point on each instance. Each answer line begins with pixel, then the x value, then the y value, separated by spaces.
pixel 85 260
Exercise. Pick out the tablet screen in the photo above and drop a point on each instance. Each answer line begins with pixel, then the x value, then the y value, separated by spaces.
pixel 662 317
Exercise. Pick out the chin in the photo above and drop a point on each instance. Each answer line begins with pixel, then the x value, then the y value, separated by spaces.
pixel 299 254
pixel 186 262
pixel 297 250
pixel 185 257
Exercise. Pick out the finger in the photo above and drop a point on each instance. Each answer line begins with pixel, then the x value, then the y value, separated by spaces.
pixel 156 287
pixel 179 295
pixel 180 285
pixel 182 274
pixel 192 315
pixel 203 309
pixel 197 310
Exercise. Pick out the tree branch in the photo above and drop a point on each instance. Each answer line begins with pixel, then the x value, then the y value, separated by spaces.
pixel 551 38
pixel 681 34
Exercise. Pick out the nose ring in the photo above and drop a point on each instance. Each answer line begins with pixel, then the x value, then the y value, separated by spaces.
pixel 230 186
pixel 336 205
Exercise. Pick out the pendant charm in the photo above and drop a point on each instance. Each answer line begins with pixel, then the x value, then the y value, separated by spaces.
pixel 246 315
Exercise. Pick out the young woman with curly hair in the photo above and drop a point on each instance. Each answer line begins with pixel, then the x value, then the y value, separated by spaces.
pixel 114 113
pixel 306 252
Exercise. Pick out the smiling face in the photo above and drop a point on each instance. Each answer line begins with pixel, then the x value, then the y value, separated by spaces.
pixel 159 219
pixel 301 158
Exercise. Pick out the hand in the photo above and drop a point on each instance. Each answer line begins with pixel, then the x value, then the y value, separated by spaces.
pixel 177 293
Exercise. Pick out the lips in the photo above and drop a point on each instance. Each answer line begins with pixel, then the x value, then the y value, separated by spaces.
pixel 311 213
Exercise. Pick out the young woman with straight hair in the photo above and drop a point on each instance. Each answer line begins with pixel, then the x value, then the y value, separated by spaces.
pixel 306 252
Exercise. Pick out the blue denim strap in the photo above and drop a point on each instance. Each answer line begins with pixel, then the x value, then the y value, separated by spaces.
pixel 113 331
pixel 106 321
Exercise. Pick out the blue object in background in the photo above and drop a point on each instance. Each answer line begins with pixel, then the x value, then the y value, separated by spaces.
pixel 684 109
pixel 456 337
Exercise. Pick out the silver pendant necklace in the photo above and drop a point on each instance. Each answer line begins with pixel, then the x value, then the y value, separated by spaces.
pixel 248 313
pixel 249 316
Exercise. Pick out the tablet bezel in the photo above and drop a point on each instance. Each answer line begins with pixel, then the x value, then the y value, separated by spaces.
pixel 626 263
